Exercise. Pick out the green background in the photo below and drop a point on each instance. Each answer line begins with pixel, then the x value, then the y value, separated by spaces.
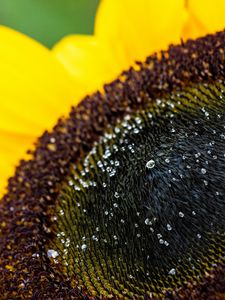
pixel 49 20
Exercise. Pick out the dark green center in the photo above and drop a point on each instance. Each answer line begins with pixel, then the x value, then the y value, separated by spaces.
pixel 144 211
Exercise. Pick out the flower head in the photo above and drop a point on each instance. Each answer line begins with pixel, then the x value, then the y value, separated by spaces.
pixel 124 197
pixel 39 85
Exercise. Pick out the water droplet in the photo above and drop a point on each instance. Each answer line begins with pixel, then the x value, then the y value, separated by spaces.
pixel 52 253
pixel 205 182
pixel 203 171
pixel 61 212
pixel 172 272
pixel 169 227
pixel 117 163
pixel 116 195
pixel 70 183
pixel 117 130
pixel 181 214
pixel 83 247
pixel 94 238
pixel 158 101
pixel 166 243
pixel 197 154
pixel 150 164
pixel 148 222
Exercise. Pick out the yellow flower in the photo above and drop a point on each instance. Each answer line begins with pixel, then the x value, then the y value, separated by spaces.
pixel 39 85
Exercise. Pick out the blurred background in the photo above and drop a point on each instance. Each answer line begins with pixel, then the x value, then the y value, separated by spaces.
pixel 49 20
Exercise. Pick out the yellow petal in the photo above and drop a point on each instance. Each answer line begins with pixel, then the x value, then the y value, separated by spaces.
pixel 210 13
pixel 142 27
pixel 35 89
pixel 13 147
pixel 193 28
pixel 90 60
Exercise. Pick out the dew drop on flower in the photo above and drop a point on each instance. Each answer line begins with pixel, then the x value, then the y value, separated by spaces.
pixel 150 164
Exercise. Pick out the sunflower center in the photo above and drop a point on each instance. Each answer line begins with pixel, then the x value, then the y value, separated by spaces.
pixel 144 210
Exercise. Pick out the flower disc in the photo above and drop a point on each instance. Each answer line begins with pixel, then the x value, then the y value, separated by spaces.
pixel 125 197
pixel 144 211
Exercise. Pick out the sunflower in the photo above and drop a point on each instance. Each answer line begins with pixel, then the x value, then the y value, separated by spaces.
pixel 39 85
pixel 124 197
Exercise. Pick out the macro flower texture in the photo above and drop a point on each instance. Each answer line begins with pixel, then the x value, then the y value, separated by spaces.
pixel 112 157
